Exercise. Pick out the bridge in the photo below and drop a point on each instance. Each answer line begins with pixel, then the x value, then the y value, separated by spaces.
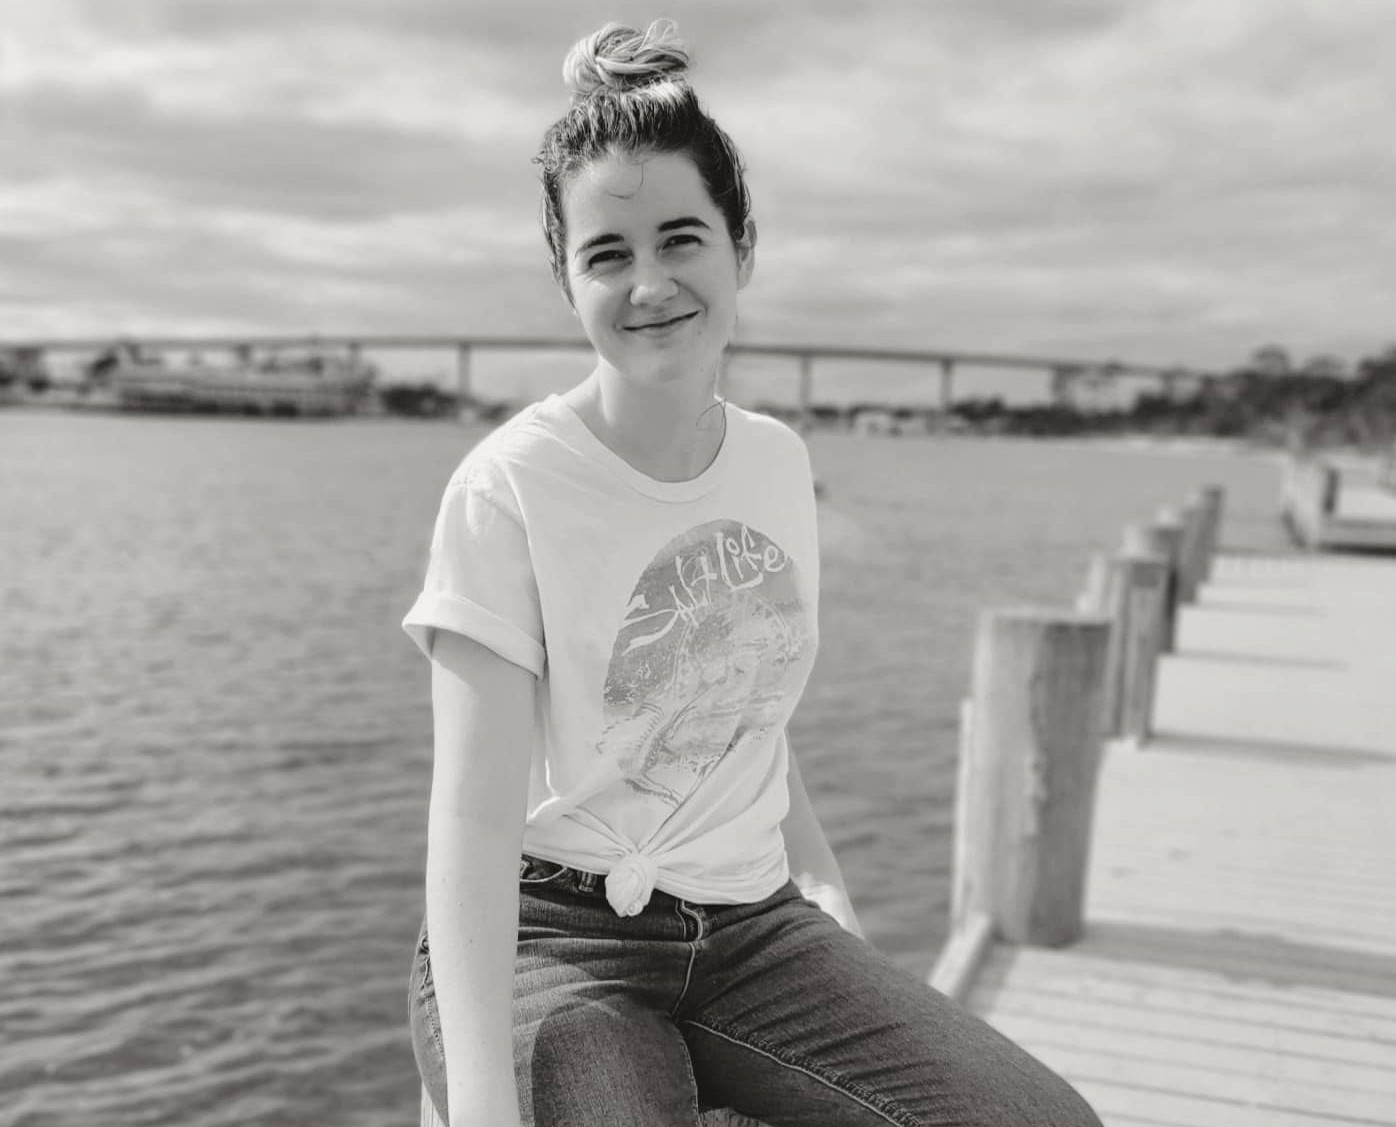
pixel 1064 373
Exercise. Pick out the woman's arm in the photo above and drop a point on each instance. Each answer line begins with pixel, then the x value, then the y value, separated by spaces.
pixel 482 707
pixel 813 865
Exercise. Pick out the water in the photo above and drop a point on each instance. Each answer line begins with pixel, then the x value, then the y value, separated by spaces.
pixel 215 739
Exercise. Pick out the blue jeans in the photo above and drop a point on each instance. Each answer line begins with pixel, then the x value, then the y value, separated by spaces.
pixel 769 1008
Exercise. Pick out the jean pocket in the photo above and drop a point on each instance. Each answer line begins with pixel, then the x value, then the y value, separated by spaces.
pixel 534 871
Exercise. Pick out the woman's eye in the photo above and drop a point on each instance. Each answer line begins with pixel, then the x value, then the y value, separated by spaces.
pixel 604 257
pixel 679 240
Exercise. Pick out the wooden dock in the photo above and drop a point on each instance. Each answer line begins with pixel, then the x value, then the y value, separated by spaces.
pixel 1238 962
pixel 1175 826
pixel 1330 505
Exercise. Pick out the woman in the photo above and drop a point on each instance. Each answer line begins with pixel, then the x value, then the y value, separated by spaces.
pixel 620 611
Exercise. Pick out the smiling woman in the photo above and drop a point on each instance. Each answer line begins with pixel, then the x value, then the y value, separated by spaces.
pixel 653 277
pixel 632 913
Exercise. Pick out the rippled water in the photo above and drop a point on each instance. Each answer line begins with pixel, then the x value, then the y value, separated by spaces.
pixel 215 740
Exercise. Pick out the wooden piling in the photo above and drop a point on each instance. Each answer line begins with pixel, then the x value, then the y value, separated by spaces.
pixel 1201 519
pixel 1190 549
pixel 1143 591
pixel 1331 482
pixel 1114 605
pixel 1163 536
pixel 1035 751
pixel 1213 498
pixel 966 789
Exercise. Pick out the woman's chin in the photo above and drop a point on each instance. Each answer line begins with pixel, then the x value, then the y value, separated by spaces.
pixel 668 371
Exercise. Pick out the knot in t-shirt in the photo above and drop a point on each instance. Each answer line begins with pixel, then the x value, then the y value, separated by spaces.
pixel 630 883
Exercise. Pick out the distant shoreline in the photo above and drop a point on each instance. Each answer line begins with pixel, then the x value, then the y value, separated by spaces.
pixel 1117 442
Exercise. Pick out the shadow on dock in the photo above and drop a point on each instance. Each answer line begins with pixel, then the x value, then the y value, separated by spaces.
pixel 1242 956
pixel 1293 753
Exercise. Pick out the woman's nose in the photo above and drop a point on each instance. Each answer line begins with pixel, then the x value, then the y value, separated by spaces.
pixel 652 284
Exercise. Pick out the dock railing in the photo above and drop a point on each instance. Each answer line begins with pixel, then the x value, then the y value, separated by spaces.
pixel 1050 686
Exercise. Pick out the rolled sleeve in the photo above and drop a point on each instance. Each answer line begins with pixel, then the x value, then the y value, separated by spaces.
pixel 479 580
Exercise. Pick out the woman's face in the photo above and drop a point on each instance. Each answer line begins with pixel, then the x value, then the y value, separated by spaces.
pixel 652 271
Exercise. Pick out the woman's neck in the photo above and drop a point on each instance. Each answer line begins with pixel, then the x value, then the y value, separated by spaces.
pixel 669 434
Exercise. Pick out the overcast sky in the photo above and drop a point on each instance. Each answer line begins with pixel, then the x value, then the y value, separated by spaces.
pixel 1162 181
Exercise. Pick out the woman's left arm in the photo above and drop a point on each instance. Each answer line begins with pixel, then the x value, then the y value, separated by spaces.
pixel 813 865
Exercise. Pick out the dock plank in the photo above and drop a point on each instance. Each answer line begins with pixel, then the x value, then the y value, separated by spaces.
pixel 1282 1092
pixel 1142 972
pixel 1239 961
pixel 1119 1103
pixel 1181 996
pixel 1244 1061
pixel 1125 1020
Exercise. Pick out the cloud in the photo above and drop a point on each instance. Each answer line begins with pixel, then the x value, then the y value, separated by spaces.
pixel 1166 180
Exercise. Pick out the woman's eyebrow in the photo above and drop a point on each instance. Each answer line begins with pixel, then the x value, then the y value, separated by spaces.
pixel 686 221
pixel 667 225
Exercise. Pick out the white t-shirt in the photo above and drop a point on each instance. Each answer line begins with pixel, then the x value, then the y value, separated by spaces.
pixel 672 627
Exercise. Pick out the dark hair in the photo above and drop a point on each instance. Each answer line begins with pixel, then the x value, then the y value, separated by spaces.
pixel 629 95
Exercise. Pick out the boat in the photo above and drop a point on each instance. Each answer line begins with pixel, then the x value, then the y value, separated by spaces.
pixel 310 383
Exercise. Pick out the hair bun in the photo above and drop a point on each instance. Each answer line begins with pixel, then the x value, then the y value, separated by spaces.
pixel 621 58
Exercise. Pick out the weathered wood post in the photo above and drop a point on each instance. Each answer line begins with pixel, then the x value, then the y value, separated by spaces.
pixel 1212 498
pixel 1035 751
pixel 1330 481
pixel 968 789
pixel 1166 539
pixel 1139 590
pixel 1194 518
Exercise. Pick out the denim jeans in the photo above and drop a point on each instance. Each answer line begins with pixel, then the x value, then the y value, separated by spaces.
pixel 769 1008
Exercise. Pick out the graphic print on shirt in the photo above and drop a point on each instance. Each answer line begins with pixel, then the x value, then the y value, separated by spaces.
pixel 715 637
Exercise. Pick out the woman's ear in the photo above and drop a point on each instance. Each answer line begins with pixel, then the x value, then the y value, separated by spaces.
pixel 746 253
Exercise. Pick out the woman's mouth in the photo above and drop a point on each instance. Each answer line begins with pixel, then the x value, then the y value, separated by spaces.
pixel 662 326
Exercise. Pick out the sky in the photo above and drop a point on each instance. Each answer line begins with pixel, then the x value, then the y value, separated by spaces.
pixel 1155 181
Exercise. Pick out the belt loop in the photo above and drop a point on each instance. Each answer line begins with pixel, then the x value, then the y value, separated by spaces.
pixel 588 881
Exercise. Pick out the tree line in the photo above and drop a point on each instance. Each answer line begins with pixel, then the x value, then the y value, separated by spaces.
pixel 1266 400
